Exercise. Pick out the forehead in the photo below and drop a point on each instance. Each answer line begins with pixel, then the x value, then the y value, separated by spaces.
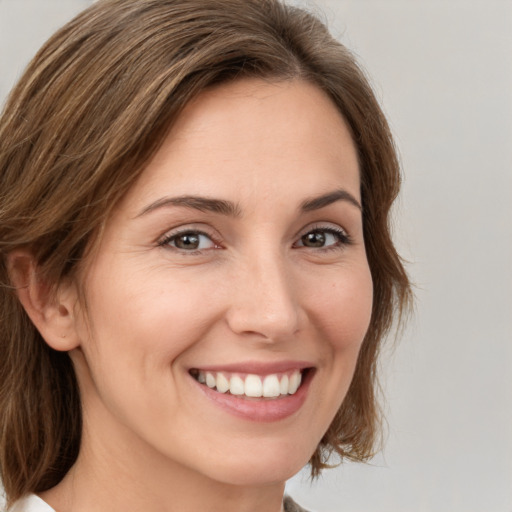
pixel 252 136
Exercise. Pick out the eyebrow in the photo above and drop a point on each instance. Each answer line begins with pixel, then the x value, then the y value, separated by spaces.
pixel 203 204
pixel 324 200
pixel 223 207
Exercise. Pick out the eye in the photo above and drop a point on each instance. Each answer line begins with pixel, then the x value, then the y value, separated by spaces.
pixel 189 241
pixel 323 238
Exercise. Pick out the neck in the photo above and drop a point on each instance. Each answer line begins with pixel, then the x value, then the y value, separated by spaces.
pixel 81 491
pixel 108 477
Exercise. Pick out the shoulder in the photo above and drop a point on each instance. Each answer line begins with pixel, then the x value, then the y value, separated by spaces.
pixel 291 506
pixel 31 503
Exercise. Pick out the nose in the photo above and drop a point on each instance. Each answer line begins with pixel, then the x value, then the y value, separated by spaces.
pixel 264 301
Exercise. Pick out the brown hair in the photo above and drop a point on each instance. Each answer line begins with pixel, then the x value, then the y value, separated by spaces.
pixel 91 109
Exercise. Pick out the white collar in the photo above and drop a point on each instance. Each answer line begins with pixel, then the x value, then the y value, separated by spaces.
pixel 31 503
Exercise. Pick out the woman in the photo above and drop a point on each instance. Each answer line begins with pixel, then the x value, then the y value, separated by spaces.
pixel 197 267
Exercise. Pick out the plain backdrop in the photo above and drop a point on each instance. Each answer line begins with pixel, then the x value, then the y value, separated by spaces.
pixel 443 72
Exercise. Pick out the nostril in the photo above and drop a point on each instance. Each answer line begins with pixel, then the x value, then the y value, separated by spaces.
pixel 269 326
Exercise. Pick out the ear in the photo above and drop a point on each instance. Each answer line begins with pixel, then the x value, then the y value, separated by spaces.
pixel 53 314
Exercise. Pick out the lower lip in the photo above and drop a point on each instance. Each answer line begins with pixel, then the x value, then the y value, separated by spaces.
pixel 260 409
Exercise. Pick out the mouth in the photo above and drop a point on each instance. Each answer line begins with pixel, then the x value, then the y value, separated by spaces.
pixel 253 386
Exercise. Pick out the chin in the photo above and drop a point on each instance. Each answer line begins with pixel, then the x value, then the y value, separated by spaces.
pixel 257 475
pixel 258 466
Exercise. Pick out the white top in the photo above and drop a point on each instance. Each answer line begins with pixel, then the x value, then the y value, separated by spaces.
pixel 31 503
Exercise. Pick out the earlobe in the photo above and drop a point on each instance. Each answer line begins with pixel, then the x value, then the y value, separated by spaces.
pixel 52 312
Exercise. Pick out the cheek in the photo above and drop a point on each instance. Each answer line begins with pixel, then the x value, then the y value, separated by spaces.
pixel 344 308
pixel 140 323
pixel 147 318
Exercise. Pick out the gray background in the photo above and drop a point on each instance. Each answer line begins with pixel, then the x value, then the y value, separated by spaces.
pixel 443 71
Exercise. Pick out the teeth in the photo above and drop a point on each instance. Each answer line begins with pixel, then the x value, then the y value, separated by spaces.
pixel 294 382
pixel 271 386
pixel 210 380
pixel 283 388
pixel 253 386
pixel 222 383
pixel 236 385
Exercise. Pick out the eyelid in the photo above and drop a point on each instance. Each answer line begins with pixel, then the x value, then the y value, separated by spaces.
pixel 187 228
pixel 325 226
pixel 329 227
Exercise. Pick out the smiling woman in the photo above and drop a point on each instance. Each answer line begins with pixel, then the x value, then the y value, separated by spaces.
pixel 196 266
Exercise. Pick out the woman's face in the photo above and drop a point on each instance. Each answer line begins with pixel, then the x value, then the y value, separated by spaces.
pixel 235 267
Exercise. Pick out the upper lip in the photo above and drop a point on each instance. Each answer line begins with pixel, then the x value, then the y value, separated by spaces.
pixel 256 367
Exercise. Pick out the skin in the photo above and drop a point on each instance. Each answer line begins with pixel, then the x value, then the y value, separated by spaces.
pixel 253 291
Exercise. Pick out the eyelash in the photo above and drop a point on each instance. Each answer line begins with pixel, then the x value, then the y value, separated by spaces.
pixel 166 241
pixel 343 239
